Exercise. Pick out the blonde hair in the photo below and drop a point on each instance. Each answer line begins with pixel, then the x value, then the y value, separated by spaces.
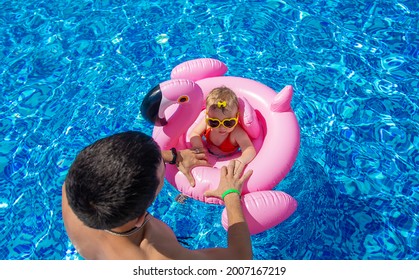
pixel 222 98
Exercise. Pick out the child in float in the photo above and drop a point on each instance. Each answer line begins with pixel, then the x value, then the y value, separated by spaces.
pixel 220 127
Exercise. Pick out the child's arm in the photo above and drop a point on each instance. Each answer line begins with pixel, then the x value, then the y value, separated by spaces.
pixel 246 145
pixel 196 134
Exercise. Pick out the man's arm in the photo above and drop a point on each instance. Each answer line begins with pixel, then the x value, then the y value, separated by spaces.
pixel 239 242
pixel 238 231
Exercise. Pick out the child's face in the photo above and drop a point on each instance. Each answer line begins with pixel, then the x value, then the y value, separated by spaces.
pixel 219 115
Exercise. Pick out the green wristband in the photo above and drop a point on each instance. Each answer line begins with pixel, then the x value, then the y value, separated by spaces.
pixel 229 191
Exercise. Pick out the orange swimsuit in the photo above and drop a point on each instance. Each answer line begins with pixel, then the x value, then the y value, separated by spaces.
pixel 226 146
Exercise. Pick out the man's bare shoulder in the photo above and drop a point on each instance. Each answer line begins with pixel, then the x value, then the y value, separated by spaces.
pixel 160 241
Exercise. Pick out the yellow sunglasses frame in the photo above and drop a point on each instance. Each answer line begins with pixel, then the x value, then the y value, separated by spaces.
pixel 221 122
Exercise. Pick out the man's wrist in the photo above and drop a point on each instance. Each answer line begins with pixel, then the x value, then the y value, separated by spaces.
pixel 228 192
pixel 174 156
pixel 232 199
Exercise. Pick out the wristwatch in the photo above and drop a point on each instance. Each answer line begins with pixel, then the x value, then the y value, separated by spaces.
pixel 174 153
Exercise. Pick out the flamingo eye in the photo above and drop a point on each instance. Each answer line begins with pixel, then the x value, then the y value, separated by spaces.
pixel 183 99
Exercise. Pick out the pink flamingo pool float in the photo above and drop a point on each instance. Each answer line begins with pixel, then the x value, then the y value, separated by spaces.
pixel 177 104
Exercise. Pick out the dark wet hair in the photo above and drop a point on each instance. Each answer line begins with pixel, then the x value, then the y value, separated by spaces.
pixel 114 180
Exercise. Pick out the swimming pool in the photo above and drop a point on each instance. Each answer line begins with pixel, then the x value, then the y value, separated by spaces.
pixel 75 71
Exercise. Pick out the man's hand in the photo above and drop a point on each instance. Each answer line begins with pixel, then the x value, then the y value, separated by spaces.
pixel 231 178
pixel 188 159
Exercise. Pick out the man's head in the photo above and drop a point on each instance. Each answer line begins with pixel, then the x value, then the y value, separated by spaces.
pixel 114 180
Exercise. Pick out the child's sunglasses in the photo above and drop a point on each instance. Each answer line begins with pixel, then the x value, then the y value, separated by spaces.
pixel 228 123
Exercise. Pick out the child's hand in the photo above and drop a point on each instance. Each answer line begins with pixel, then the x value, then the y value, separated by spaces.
pixel 239 165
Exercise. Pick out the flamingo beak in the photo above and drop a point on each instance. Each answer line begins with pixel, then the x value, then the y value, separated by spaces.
pixel 150 107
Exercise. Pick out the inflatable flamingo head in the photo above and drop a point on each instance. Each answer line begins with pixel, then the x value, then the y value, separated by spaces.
pixel 151 105
pixel 181 92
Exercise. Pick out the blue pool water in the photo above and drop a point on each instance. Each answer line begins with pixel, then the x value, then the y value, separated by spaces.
pixel 73 71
